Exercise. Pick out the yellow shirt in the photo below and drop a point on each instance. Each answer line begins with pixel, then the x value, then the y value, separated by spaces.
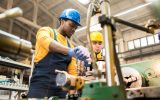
pixel 43 39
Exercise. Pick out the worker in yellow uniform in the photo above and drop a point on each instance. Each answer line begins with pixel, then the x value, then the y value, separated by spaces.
pixel 97 44
pixel 54 51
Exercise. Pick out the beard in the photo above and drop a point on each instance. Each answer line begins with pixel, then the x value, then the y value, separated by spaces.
pixel 66 33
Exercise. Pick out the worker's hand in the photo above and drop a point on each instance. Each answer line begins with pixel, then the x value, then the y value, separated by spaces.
pixel 80 53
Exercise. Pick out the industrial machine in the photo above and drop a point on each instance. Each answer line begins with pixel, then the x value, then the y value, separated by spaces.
pixel 98 90
pixel 133 76
pixel 141 82
pixel 67 81
pixel 142 79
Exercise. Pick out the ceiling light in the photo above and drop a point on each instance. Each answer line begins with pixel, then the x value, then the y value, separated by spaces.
pixel 132 9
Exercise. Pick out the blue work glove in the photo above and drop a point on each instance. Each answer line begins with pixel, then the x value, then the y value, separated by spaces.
pixel 80 53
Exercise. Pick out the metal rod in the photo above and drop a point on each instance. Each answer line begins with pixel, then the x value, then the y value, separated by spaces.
pixel 108 44
pixel 11 13
pixel 89 14
pixel 35 11
pixel 112 61
pixel 133 25
pixel 118 68
pixel 12 46
pixel 10 95
pixel 24 20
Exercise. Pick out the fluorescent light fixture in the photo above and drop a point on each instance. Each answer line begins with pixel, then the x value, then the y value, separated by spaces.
pixel 98 27
pixel 132 9
pixel 84 2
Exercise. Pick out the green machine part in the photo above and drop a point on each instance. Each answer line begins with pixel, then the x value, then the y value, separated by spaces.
pixel 96 90
pixel 149 71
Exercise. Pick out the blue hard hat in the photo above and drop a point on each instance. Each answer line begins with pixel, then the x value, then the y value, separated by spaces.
pixel 72 15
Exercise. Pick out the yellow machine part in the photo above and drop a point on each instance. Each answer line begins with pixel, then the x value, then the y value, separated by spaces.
pixel 79 83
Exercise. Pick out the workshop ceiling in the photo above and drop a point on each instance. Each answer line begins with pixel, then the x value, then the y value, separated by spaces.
pixel 37 13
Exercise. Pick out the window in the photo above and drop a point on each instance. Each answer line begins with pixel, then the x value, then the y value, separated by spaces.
pixel 143 42
pixel 150 40
pixel 130 45
pixel 156 38
pixel 116 47
pixel 137 43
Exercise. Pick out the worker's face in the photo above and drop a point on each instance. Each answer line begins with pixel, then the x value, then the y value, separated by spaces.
pixel 69 28
pixel 97 46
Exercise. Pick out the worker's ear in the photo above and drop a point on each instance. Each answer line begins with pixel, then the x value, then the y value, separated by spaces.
pixel 62 22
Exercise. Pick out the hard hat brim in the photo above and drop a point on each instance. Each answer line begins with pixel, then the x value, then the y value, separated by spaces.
pixel 71 20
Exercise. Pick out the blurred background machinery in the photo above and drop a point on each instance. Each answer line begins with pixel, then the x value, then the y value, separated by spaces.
pixel 11 13
pixel 15 60
pixel 142 79
pixel 132 77
pixel 11 45
pixel 14 47
pixel 146 73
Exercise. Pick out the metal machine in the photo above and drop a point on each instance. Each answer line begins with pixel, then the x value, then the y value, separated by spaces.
pixel 102 90
pixel 98 90
pixel 14 47
pixel 67 81
pixel 133 76
pixel 142 79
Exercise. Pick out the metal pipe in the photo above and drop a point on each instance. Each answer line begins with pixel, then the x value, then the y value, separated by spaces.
pixel 108 44
pixel 11 13
pixel 112 61
pixel 14 47
pixel 24 20
pixel 133 25
pixel 89 14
